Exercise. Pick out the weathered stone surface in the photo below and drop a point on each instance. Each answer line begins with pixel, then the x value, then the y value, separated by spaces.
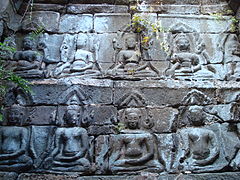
pixel 95 130
pixel 166 148
pixel 103 115
pixel 221 110
pixel 150 176
pixel 54 94
pixel 111 22
pixel 90 9
pixel 76 23
pixel 106 50
pixel 8 176
pixel 51 1
pixel 157 96
pixel 223 9
pixel 47 19
pixel 92 1
pixel 101 153
pixel 35 176
pixel 43 7
pixel 162 118
pixel 201 23
pixel 4 5
pixel 158 48
pixel 181 9
pixel 179 2
pixel 53 44
pixel 43 134
pixel 1 28
pixel 42 115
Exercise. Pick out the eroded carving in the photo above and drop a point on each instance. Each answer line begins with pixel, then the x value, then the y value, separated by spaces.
pixel 71 146
pixel 235 163
pixel 201 148
pixel 84 61
pixel 184 61
pixel 196 116
pixel 131 99
pixel 232 58
pixel 28 62
pixel 128 59
pixel 189 58
pixel 14 145
pixel 73 95
pixel 196 97
pixel 133 149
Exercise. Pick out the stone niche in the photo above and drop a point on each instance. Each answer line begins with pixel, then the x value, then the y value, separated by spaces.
pixel 109 101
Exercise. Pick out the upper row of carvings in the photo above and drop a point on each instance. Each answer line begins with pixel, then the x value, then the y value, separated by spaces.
pixel 121 55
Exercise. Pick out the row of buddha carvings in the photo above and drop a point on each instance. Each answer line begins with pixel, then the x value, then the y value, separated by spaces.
pixel 199 140
pixel 179 54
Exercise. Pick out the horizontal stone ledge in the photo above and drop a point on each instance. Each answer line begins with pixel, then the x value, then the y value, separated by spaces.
pixel 150 176
pixel 43 7
pixel 95 8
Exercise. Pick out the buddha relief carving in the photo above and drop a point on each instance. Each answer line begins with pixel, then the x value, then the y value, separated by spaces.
pixel 133 149
pixel 184 60
pixel 199 146
pixel 85 58
pixel 14 144
pixel 29 61
pixel 235 163
pixel 128 59
pixel 71 146
pixel 196 116
pixel 232 58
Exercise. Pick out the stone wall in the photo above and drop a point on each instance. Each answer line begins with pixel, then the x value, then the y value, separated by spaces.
pixel 105 105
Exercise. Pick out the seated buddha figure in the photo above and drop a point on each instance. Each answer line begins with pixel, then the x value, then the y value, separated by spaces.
pixel 71 145
pixel 128 61
pixel 232 60
pixel 199 147
pixel 84 59
pixel 184 62
pixel 14 144
pixel 135 149
pixel 28 62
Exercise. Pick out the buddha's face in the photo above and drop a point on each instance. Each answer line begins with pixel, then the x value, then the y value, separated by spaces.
pixel 196 116
pixel 81 42
pixel 183 44
pixel 28 44
pixel 72 117
pixel 132 120
pixel 15 116
pixel 234 48
pixel 131 43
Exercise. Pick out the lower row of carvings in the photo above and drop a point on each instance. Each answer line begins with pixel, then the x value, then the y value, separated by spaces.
pixel 198 148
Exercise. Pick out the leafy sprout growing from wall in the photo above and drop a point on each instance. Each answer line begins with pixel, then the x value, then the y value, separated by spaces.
pixel 148 28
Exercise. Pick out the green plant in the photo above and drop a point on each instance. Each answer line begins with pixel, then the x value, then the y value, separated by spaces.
pixel 7 77
pixel 119 127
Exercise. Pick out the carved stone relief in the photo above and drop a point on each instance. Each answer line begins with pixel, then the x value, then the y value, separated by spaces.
pixel 188 58
pixel 128 61
pixel 235 163
pixel 29 62
pixel 71 145
pixel 232 57
pixel 85 57
pixel 14 149
pixel 133 149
